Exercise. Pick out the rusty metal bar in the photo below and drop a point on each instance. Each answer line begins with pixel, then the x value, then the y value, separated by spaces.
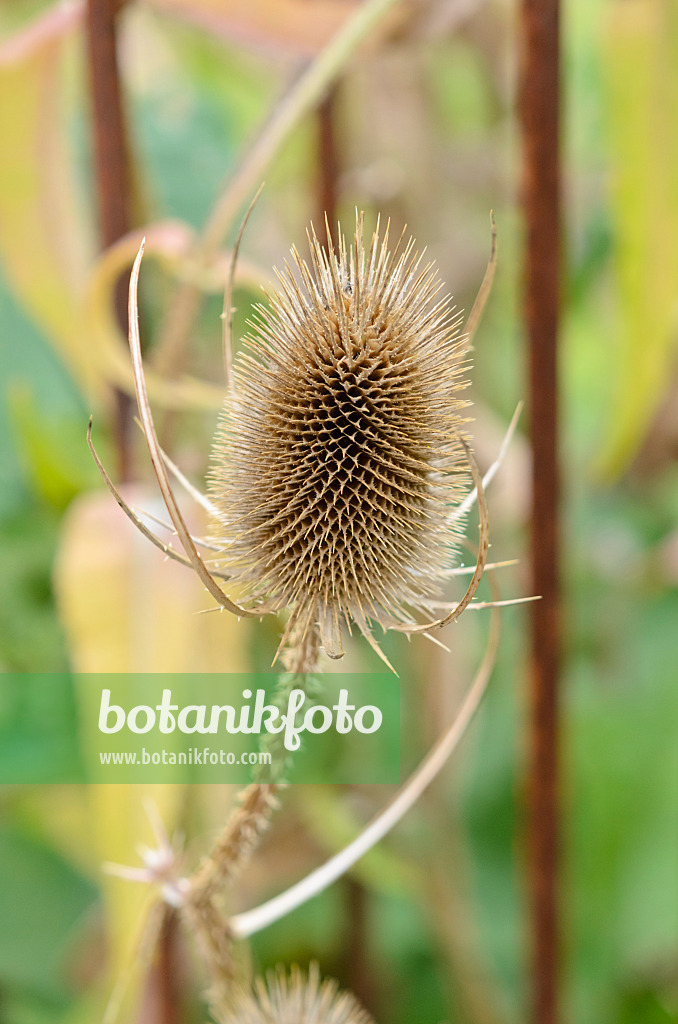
pixel 111 164
pixel 328 165
pixel 540 119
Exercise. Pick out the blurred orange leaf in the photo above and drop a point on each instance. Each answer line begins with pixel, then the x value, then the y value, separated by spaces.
pixel 295 25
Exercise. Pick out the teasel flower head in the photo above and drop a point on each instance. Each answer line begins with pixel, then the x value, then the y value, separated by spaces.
pixel 341 452
pixel 293 999
pixel 341 449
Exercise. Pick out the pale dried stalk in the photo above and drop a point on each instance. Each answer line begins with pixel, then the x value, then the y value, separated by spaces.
pixel 483 295
pixel 215 933
pixel 470 499
pixel 227 313
pixel 302 98
pixel 156 454
pixel 251 921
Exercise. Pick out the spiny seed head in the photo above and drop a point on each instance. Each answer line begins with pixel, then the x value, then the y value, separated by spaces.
pixel 296 999
pixel 338 458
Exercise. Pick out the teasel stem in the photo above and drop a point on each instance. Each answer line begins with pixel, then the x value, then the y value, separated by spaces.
pixel 299 657
pixel 540 115
pixel 236 844
pixel 111 158
pixel 201 907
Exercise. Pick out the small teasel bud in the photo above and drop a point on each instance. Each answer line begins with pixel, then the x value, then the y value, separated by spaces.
pixel 340 452
pixel 292 999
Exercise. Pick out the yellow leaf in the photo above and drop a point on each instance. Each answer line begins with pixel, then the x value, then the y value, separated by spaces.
pixel 642 114
pixel 42 235
pixel 126 609
pixel 170 242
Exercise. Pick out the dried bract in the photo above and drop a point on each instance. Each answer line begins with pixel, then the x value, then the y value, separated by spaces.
pixel 340 452
pixel 296 999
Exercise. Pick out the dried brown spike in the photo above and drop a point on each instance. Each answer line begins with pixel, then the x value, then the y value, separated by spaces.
pixel 340 454
pixel 293 999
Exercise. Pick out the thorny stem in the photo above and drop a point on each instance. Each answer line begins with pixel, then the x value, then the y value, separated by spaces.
pixel 300 660
pixel 235 845
pixel 303 96
pixel 201 907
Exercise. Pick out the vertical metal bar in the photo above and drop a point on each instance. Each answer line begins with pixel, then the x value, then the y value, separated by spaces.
pixel 328 165
pixel 161 1001
pixel 111 162
pixel 540 117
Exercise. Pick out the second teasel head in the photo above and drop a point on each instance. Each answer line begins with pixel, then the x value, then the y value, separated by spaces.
pixel 340 452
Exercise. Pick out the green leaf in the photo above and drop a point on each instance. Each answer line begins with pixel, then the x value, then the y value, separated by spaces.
pixel 43 904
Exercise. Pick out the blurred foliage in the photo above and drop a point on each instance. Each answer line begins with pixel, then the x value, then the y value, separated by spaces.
pixel 431 926
pixel 642 102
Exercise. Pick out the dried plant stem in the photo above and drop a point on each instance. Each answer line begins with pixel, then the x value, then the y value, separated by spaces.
pixel 166 549
pixel 156 453
pixel 235 845
pixel 227 313
pixel 301 99
pixel 471 498
pixel 304 95
pixel 252 921
pixel 201 907
pixel 111 151
pixel 483 295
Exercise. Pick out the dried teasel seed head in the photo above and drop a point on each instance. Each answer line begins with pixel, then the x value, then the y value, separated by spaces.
pixel 293 999
pixel 339 455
